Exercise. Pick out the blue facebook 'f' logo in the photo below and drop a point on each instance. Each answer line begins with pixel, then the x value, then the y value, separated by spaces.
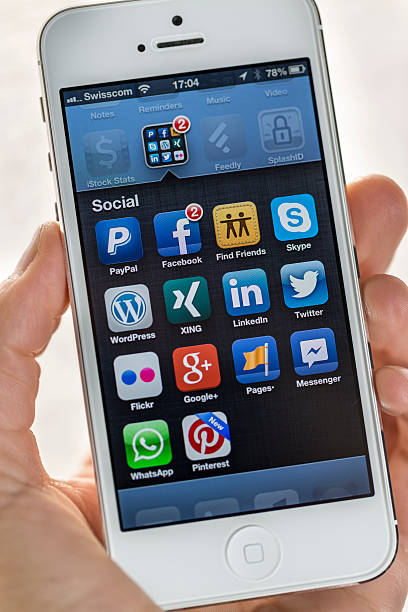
pixel 176 235
pixel 119 240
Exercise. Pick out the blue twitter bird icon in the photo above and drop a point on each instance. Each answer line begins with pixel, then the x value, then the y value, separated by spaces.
pixel 304 284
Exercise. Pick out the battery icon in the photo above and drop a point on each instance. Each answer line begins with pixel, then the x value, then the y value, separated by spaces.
pixel 297 69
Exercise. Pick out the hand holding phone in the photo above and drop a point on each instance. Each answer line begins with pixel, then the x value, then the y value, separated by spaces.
pixel 225 360
pixel 67 513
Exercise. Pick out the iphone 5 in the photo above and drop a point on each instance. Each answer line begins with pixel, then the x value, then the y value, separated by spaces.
pixel 226 369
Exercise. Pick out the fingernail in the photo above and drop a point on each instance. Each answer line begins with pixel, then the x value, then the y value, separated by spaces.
pixel 30 252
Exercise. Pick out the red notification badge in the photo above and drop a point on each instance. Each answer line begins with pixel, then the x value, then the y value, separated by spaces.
pixel 182 124
pixel 194 212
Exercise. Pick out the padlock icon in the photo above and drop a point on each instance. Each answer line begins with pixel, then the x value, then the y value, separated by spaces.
pixel 282 134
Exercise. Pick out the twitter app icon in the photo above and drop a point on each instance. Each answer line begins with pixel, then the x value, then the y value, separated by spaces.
pixel 304 284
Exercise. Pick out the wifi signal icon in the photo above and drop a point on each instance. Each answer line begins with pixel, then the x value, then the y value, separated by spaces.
pixel 144 88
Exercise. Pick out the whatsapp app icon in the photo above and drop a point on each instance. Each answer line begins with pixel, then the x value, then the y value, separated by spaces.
pixel 147 444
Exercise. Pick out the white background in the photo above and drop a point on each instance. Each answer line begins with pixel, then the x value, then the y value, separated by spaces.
pixel 368 60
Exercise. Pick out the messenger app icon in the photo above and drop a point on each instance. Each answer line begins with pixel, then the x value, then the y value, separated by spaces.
pixel 314 352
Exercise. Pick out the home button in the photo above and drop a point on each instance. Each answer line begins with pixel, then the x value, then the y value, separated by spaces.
pixel 253 553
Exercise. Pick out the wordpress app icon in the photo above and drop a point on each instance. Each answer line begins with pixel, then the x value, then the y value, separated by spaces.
pixel 314 351
pixel 294 217
pixel 246 292
pixel 128 308
pixel 304 284
pixel 176 234
pixel 119 240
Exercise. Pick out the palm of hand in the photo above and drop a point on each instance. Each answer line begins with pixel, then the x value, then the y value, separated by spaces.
pixel 51 556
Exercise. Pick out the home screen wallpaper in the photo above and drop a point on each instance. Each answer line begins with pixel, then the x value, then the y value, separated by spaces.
pixel 218 308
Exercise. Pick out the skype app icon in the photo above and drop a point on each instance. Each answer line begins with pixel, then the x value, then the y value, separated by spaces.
pixel 294 217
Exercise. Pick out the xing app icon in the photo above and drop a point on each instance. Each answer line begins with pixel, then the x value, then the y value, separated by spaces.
pixel 294 217
pixel 314 351
pixel 138 376
pixel 106 152
pixel 163 146
pixel 206 436
pixel 256 360
pixel 187 300
pixel 224 137
pixel 147 444
pixel 246 292
pixel 128 308
pixel 176 234
pixel 196 367
pixel 236 225
pixel 119 241
pixel 304 284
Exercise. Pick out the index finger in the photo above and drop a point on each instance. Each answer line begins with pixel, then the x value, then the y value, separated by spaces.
pixel 379 215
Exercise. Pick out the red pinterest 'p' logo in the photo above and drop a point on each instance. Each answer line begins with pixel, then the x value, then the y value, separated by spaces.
pixel 203 439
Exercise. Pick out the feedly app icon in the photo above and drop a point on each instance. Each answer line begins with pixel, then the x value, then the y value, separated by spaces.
pixel 206 436
pixel 147 444
pixel 119 241
pixel 294 217
pixel 314 351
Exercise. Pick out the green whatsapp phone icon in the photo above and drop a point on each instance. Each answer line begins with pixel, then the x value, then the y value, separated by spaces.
pixel 147 444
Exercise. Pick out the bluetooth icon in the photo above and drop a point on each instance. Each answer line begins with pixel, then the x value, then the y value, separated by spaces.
pixel 258 75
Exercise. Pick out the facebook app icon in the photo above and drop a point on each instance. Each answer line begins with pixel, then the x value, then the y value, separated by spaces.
pixel 119 240
pixel 176 234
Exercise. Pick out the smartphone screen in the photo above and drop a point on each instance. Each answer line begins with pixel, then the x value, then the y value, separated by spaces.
pixel 215 289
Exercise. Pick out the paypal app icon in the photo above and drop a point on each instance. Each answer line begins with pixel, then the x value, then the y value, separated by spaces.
pixel 304 284
pixel 119 240
pixel 176 234
pixel 314 351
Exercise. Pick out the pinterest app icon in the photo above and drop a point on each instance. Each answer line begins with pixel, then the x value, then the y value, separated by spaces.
pixel 206 436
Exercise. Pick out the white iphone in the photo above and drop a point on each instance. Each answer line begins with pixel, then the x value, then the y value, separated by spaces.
pixel 226 368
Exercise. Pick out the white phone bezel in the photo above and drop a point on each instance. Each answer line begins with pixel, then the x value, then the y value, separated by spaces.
pixel 323 545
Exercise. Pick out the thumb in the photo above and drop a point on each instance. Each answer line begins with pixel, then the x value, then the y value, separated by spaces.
pixel 32 301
